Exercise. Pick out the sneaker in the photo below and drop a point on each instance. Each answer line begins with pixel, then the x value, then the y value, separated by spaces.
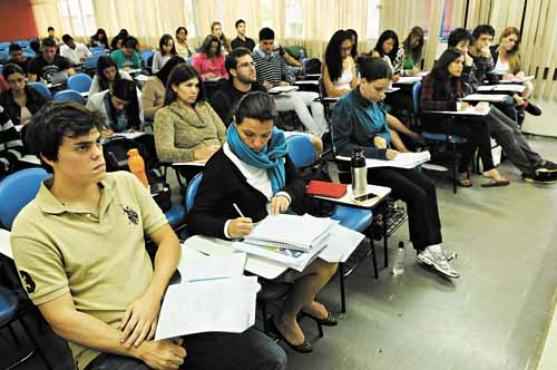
pixel 438 262
pixel 533 109
pixel 540 178
pixel 547 167
pixel 449 254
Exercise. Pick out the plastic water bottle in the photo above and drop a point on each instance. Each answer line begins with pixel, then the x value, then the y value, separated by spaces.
pixel 398 265
pixel 359 172
pixel 137 166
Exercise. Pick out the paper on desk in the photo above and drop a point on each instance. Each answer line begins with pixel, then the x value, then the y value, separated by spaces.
pixel 225 305
pixel 402 160
pixel 195 266
pixel 130 135
pixel 341 244
pixel 493 98
pixel 5 246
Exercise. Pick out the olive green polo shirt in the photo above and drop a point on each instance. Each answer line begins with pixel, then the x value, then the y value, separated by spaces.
pixel 98 256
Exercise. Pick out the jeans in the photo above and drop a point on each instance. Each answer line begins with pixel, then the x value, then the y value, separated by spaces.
pixel 508 135
pixel 250 350
pixel 299 101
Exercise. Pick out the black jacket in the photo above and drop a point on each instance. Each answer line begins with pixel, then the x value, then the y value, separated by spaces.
pixel 35 101
pixel 223 185
pixel 226 97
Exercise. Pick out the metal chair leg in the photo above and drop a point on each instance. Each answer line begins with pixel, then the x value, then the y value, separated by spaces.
pixel 385 241
pixel 342 291
pixel 320 329
pixel 374 259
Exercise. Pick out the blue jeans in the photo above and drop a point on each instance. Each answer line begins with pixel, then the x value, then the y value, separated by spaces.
pixel 250 350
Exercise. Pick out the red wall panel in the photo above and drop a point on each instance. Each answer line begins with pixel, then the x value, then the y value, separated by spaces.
pixel 16 20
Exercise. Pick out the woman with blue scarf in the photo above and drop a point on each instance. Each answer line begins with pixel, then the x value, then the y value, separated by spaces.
pixel 253 172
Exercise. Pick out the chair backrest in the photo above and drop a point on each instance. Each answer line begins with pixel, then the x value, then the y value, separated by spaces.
pixel 311 66
pixel 147 56
pixel 416 96
pixel 97 50
pixel 42 89
pixel 301 151
pixel 91 62
pixel 191 191
pixel 69 95
pixel 18 189
pixel 79 82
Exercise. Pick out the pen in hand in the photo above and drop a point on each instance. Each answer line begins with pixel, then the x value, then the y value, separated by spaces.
pixel 239 227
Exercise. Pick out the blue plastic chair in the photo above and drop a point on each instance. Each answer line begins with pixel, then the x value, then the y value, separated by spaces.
pixel 191 191
pixel 69 95
pixel 18 189
pixel 302 153
pixel 79 82
pixel 23 43
pixel 438 137
pixel 90 63
pixel 176 215
pixel 97 50
pixel 8 315
pixel 42 89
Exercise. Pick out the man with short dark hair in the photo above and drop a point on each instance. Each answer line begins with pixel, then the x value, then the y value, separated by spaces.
pixel 242 40
pixel 80 252
pixel 17 57
pixel 52 35
pixel 272 71
pixel 48 64
pixel 127 56
pixel 241 69
pixel 76 52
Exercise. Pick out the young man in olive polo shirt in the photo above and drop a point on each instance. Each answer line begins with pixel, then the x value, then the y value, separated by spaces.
pixel 80 252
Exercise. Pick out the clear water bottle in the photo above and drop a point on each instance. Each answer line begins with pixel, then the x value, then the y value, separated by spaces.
pixel 398 265
pixel 359 172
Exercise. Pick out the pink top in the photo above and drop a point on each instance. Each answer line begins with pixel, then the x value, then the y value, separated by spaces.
pixel 205 65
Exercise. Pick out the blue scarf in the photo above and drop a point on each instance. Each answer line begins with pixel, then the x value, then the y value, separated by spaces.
pixel 269 158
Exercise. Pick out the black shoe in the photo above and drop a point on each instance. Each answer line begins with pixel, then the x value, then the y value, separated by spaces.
pixel 546 167
pixel 540 178
pixel 305 347
pixel 330 320
pixel 533 109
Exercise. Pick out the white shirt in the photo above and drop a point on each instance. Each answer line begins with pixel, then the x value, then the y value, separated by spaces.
pixel 75 55
pixel 501 68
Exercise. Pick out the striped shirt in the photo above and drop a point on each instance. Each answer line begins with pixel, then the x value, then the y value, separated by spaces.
pixel 271 67
pixel 11 146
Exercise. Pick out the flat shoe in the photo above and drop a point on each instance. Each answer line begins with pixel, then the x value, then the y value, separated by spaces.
pixel 495 183
pixel 305 347
pixel 330 320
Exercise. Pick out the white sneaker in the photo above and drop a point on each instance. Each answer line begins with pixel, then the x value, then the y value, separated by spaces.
pixel 449 254
pixel 438 261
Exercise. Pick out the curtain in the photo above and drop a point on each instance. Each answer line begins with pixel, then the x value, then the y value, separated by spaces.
pixel 479 12
pixel 46 14
pixel 538 47
pixel 506 13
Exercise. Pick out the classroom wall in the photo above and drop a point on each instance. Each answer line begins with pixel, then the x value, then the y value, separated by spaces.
pixel 17 20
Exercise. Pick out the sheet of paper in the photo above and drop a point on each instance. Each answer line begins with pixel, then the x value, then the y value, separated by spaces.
pixel 5 246
pixel 493 98
pixel 224 305
pixel 130 135
pixel 31 159
pixel 214 246
pixel 341 244
pixel 402 160
pixel 195 266
pixel 282 89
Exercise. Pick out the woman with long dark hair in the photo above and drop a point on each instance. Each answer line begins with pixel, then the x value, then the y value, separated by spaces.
pixel 166 51
pixel 412 48
pixel 155 88
pixel 187 128
pixel 99 39
pixel 107 73
pixel 339 70
pixel 120 107
pixel 209 61
pixel 387 48
pixel 359 121
pixel 441 90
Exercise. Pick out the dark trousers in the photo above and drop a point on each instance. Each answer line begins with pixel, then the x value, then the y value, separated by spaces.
pixel 477 136
pixel 250 350
pixel 418 191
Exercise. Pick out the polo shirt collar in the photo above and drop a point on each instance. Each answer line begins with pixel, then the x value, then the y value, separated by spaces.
pixel 48 203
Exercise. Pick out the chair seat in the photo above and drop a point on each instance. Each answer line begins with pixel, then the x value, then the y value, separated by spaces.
pixel 434 136
pixel 176 214
pixel 8 305
pixel 358 219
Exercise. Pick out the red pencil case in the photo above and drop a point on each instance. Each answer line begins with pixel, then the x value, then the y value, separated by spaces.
pixel 326 189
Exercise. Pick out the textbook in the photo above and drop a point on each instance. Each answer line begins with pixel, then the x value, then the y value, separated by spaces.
pixel 302 233
pixel 402 160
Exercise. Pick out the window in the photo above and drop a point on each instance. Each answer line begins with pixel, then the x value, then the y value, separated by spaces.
pixel 266 9
pixel 294 19
pixel 78 17
pixel 373 19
